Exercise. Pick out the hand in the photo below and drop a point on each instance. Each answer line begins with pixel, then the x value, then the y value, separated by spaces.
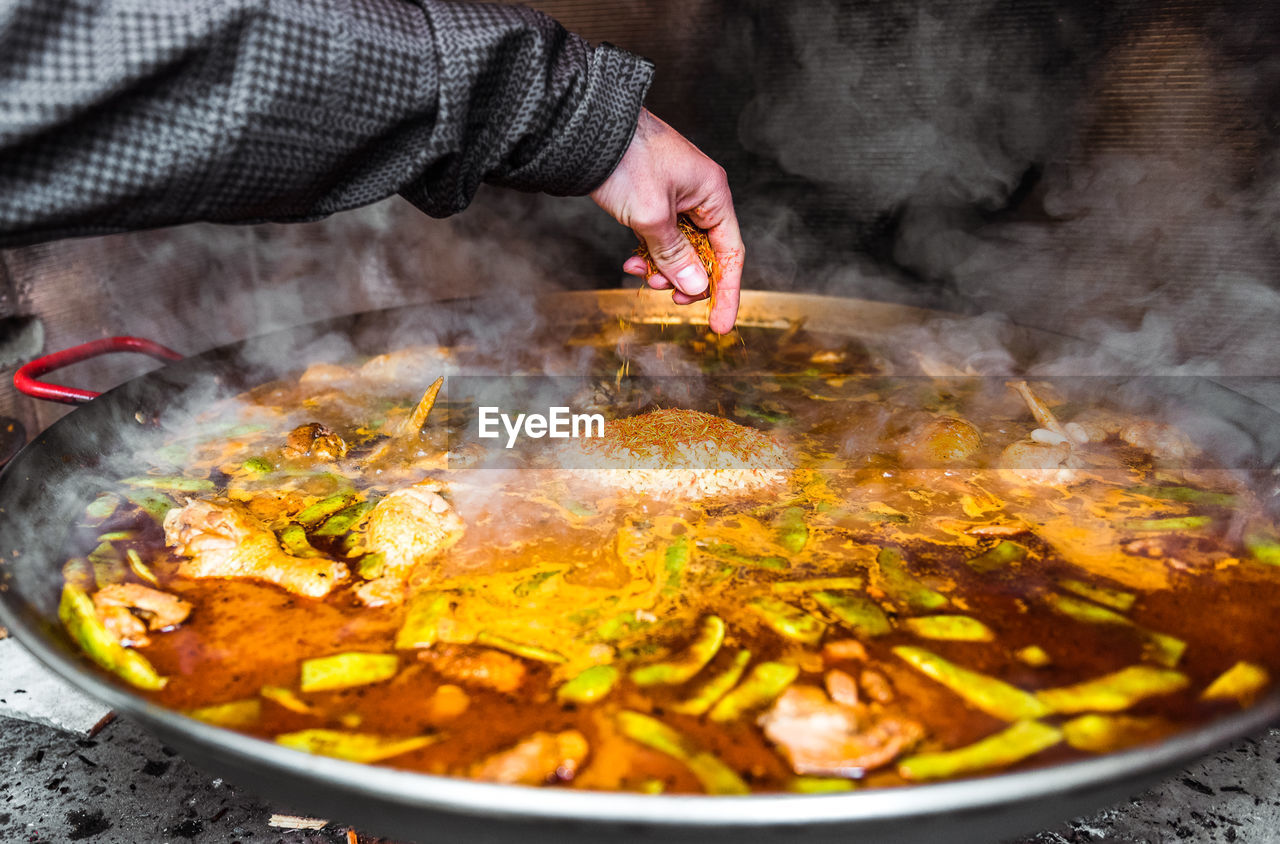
pixel 661 175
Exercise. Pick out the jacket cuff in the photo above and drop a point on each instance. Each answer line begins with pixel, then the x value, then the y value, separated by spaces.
pixel 587 146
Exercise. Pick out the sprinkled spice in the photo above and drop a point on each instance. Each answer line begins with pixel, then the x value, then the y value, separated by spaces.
pixel 701 245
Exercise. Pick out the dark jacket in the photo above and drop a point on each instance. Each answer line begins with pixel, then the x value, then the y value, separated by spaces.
pixel 125 114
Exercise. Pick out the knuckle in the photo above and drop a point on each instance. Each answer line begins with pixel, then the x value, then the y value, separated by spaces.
pixel 669 251
pixel 651 217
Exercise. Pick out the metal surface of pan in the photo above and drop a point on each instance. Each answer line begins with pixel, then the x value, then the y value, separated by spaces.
pixel 38 501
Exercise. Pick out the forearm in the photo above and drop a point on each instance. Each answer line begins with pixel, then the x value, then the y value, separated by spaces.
pixel 130 115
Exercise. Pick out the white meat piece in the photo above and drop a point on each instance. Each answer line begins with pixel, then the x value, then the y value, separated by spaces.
pixel 225 540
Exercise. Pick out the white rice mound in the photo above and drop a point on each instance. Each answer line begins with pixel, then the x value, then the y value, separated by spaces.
pixel 682 455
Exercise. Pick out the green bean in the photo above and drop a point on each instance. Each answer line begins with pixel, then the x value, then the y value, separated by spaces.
pixel 953 628
pixel 532 584
pixel 1263 548
pixel 689 663
pixel 674 562
pixel 716 777
pixel 1013 744
pixel 728 552
pixel 101 508
pixel 345 670
pixel 998 557
pixel 76 612
pixel 1188 494
pixel 788 621
pixel 1106 733
pixel 108 567
pixel 521 649
pixel 155 504
pixel 236 714
pixel 590 685
pixel 902 585
pixel 1113 598
pixel 1241 681
pixel 286 698
pixel 579 509
pixel 243 429
pixel 351 544
pixel 714 688
pixel 118 536
pixel 1085 611
pixel 78 573
pixel 992 696
pixel 313 514
pixel 761 414
pixel 372 565
pixel 141 569
pixel 1161 647
pixel 293 539
pixel 1113 692
pixel 857 612
pixel 819 785
pixel 258 466
pixel 345 519
pixel 1170 524
pixel 353 747
pixel 174 454
pixel 815 584
pixel 765 682
pixel 175 483
pixel 793 531
pixel 619 626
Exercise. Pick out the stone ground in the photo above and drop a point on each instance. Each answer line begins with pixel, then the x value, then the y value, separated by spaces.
pixel 125 787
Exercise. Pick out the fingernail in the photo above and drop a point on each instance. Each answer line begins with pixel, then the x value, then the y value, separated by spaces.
pixel 692 280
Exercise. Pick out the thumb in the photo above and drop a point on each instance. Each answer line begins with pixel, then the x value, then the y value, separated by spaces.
pixel 675 257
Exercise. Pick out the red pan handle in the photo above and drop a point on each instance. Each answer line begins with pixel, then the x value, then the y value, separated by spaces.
pixel 25 379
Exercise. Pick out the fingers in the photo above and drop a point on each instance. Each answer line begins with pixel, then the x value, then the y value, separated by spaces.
pixel 635 265
pixel 673 254
pixel 726 241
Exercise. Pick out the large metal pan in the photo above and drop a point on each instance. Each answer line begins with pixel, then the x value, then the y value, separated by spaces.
pixel 38 501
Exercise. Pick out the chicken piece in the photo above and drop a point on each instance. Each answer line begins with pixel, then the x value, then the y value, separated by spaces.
pixel 1036 463
pixel 1164 442
pixel 324 374
pixel 842 688
pixel 128 629
pixel 541 758
pixel 315 440
pixel 406 364
pixel 385 591
pixel 160 610
pixel 938 442
pixel 823 738
pixel 844 649
pixel 225 540
pixel 1147 547
pixel 876 686
pixel 410 526
pixel 477 666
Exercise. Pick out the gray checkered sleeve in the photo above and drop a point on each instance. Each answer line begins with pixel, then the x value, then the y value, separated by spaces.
pixel 125 114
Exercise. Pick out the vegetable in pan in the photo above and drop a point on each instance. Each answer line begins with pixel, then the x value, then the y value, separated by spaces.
pixel 797 575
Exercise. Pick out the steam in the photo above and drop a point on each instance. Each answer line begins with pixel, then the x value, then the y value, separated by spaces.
pixel 1108 178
